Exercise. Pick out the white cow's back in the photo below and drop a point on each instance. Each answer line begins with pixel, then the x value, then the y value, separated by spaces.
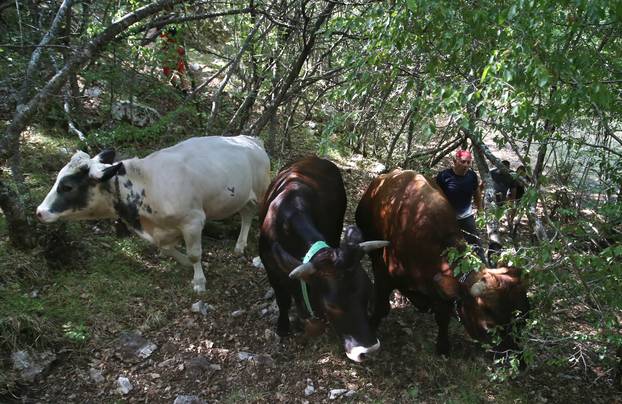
pixel 218 174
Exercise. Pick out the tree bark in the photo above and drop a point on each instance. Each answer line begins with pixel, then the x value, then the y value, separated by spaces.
pixel 232 67
pixel 293 73
pixel 19 229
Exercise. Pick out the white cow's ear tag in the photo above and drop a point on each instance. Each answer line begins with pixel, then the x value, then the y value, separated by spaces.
pixel 314 327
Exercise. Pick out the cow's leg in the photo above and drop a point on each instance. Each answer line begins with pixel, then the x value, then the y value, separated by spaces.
pixel 282 295
pixel 442 315
pixel 382 288
pixel 246 214
pixel 192 237
pixel 178 255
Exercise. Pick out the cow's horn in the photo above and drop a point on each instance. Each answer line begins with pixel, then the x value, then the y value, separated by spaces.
pixel 368 246
pixel 478 288
pixel 300 270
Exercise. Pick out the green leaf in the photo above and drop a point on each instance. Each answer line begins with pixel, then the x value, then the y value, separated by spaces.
pixel 484 73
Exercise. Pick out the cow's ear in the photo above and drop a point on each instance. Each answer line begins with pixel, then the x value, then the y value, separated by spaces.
pixel 105 156
pixel 109 172
pixel 447 286
pixel 351 236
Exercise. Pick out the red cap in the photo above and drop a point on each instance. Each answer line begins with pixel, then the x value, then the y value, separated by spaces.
pixel 463 154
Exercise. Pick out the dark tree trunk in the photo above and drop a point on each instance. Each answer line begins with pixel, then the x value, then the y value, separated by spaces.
pixel 20 230
pixel 282 91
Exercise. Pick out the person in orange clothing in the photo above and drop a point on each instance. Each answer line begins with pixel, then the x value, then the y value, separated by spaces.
pixel 174 60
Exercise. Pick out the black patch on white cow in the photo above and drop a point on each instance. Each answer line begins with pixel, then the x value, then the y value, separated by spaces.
pixel 232 190
pixel 72 192
pixel 127 208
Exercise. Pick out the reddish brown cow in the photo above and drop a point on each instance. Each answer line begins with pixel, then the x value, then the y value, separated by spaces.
pixel 415 217
pixel 302 216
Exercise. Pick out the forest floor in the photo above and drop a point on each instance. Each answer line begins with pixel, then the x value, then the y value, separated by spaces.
pixel 229 353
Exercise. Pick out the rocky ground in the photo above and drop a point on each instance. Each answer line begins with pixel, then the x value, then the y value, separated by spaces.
pixel 221 347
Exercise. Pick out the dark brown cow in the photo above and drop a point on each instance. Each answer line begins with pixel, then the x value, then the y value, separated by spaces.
pixel 302 216
pixel 415 217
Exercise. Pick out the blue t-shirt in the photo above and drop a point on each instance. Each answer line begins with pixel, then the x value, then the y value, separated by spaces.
pixel 459 190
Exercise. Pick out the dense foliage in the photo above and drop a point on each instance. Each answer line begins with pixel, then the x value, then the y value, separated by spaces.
pixel 402 82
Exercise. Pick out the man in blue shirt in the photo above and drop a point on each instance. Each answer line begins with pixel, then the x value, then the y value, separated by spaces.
pixel 461 186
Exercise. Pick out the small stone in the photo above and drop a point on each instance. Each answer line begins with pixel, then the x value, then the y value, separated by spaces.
pixel 215 367
pixel 132 346
pixel 124 385
pixel 146 350
pixel 269 294
pixel 237 313
pixel 188 400
pixel 96 375
pixel 31 365
pixel 257 263
pixel 309 390
pixel 200 307
pixel 245 356
pixel 336 393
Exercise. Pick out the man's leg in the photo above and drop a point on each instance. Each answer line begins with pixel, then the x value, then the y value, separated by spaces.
pixel 471 235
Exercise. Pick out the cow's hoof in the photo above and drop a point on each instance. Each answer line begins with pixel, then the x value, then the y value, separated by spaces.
pixel 282 330
pixel 238 251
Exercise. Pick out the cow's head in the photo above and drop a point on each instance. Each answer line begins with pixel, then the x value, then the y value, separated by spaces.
pixel 76 193
pixel 494 300
pixel 344 291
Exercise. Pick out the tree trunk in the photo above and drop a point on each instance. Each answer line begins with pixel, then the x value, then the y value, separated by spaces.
pixel 20 230
pixel 293 73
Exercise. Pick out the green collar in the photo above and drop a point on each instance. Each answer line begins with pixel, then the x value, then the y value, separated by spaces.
pixel 317 246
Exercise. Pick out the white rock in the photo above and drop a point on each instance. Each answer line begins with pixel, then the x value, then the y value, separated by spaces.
pixel 309 390
pixel 33 364
pixel 238 313
pixel 269 294
pixel 335 393
pixel 188 400
pixel 134 112
pixel 245 356
pixel 146 350
pixel 257 263
pixel 124 385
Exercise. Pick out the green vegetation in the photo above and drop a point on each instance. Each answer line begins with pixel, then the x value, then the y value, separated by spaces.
pixel 402 83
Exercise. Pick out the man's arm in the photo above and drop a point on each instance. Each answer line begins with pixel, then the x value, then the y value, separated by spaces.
pixel 477 197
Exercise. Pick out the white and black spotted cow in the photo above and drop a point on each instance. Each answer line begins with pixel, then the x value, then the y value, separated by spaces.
pixel 167 196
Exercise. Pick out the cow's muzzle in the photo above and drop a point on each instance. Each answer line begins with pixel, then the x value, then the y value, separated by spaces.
pixel 360 353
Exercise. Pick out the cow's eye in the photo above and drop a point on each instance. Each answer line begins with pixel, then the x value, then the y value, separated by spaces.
pixel 64 188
